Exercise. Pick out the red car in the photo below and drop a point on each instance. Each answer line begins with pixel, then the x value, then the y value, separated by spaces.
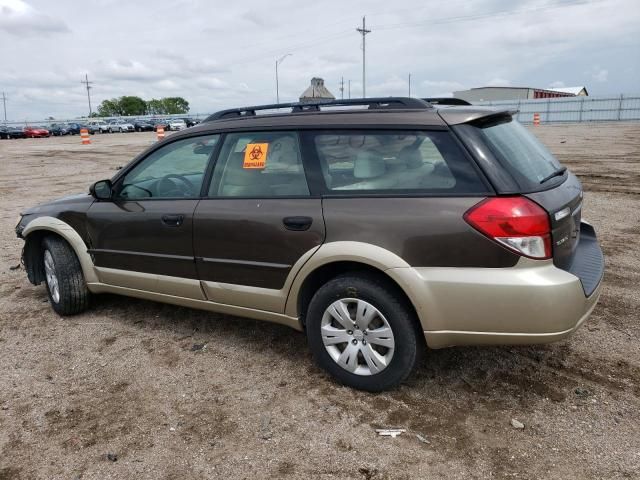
pixel 36 132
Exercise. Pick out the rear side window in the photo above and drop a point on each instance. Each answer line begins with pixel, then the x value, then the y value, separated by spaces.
pixel 261 165
pixel 393 162
pixel 519 150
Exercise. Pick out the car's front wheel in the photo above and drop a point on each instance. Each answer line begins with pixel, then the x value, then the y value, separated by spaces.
pixel 66 287
pixel 362 332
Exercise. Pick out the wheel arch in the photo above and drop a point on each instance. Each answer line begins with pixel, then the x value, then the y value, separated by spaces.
pixel 38 228
pixel 335 258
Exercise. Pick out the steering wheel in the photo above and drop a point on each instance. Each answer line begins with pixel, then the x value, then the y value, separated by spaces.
pixel 168 188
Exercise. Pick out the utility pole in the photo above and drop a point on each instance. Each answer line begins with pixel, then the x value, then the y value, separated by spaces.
pixel 278 62
pixel 349 89
pixel 88 86
pixel 341 88
pixel 409 84
pixel 363 31
pixel 4 105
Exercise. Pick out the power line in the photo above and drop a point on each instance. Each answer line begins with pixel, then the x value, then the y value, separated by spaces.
pixel 363 31
pixel 87 84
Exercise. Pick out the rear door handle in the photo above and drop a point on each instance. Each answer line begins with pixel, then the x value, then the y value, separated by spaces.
pixel 298 224
pixel 172 220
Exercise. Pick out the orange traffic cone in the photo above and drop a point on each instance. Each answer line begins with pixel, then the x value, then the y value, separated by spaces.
pixel 160 132
pixel 84 135
pixel 536 119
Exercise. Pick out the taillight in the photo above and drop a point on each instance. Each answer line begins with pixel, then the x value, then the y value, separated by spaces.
pixel 516 222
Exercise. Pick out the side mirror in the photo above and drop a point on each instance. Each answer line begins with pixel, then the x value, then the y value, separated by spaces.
pixel 101 190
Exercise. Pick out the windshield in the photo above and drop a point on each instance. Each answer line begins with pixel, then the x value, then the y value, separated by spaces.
pixel 519 149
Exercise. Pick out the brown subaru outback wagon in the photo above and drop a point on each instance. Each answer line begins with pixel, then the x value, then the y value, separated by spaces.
pixel 374 225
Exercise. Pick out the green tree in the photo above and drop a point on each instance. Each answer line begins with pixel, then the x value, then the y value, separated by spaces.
pixel 109 108
pixel 130 105
pixel 155 107
pixel 173 105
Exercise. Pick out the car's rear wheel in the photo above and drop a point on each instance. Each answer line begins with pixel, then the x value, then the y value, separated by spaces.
pixel 362 332
pixel 66 287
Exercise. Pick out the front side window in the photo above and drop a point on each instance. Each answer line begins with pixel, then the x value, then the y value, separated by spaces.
pixel 393 161
pixel 261 165
pixel 174 171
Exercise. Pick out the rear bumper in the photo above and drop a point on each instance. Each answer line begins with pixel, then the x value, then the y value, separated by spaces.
pixel 532 302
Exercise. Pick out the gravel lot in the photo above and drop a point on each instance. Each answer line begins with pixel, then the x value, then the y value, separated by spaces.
pixel 134 389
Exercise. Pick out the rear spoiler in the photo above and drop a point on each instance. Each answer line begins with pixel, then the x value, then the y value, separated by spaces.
pixel 455 116
pixel 446 101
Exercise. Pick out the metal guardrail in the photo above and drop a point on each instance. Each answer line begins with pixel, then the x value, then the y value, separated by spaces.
pixel 574 109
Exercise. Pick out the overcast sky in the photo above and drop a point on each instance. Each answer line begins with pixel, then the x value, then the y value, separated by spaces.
pixel 219 54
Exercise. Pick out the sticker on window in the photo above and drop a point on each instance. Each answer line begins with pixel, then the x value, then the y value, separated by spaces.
pixel 255 155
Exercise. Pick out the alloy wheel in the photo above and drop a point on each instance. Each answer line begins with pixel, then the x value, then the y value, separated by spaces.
pixel 52 279
pixel 357 336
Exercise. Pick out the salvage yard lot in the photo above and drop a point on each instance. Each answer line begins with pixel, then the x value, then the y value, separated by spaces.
pixel 135 389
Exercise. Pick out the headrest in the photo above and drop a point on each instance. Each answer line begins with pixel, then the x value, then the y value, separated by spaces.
pixel 283 153
pixel 411 157
pixel 368 165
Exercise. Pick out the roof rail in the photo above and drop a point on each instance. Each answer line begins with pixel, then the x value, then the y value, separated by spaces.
pixel 446 101
pixel 397 103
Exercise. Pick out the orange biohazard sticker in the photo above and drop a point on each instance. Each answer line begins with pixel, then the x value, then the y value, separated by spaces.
pixel 255 155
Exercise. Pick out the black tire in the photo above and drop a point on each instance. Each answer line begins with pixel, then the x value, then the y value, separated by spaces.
pixel 400 317
pixel 73 292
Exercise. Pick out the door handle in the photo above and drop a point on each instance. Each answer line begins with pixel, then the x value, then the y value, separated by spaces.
pixel 298 224
pixel 172 220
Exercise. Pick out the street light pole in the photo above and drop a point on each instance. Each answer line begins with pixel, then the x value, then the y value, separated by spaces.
pixel 4 106
pixel 278 62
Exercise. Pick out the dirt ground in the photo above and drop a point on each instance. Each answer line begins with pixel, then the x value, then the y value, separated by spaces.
pixel 134 389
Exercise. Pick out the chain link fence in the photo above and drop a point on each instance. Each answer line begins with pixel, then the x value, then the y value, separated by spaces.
pixel 574 109
pixel 551 110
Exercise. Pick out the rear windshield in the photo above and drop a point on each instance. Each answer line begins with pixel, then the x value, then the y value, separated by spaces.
pixel 519 150
pixel 390 162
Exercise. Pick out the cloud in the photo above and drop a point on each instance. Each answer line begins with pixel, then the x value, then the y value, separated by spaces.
pixel 223 57
pixel 440 88
pixel 21 19
pixel 600 75
pixel 132 70
pixel 498 82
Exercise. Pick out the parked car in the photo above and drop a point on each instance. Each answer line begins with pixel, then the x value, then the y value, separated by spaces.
pixel 74 128
pixel 143 126
pixel 177 124
pixel 190 122
pixel 160 122
pixel 36 132
pixel 99 126
pixel 59 129
pixel 120 126
pixel 90 127
pixel 372 230
pixel 8 133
